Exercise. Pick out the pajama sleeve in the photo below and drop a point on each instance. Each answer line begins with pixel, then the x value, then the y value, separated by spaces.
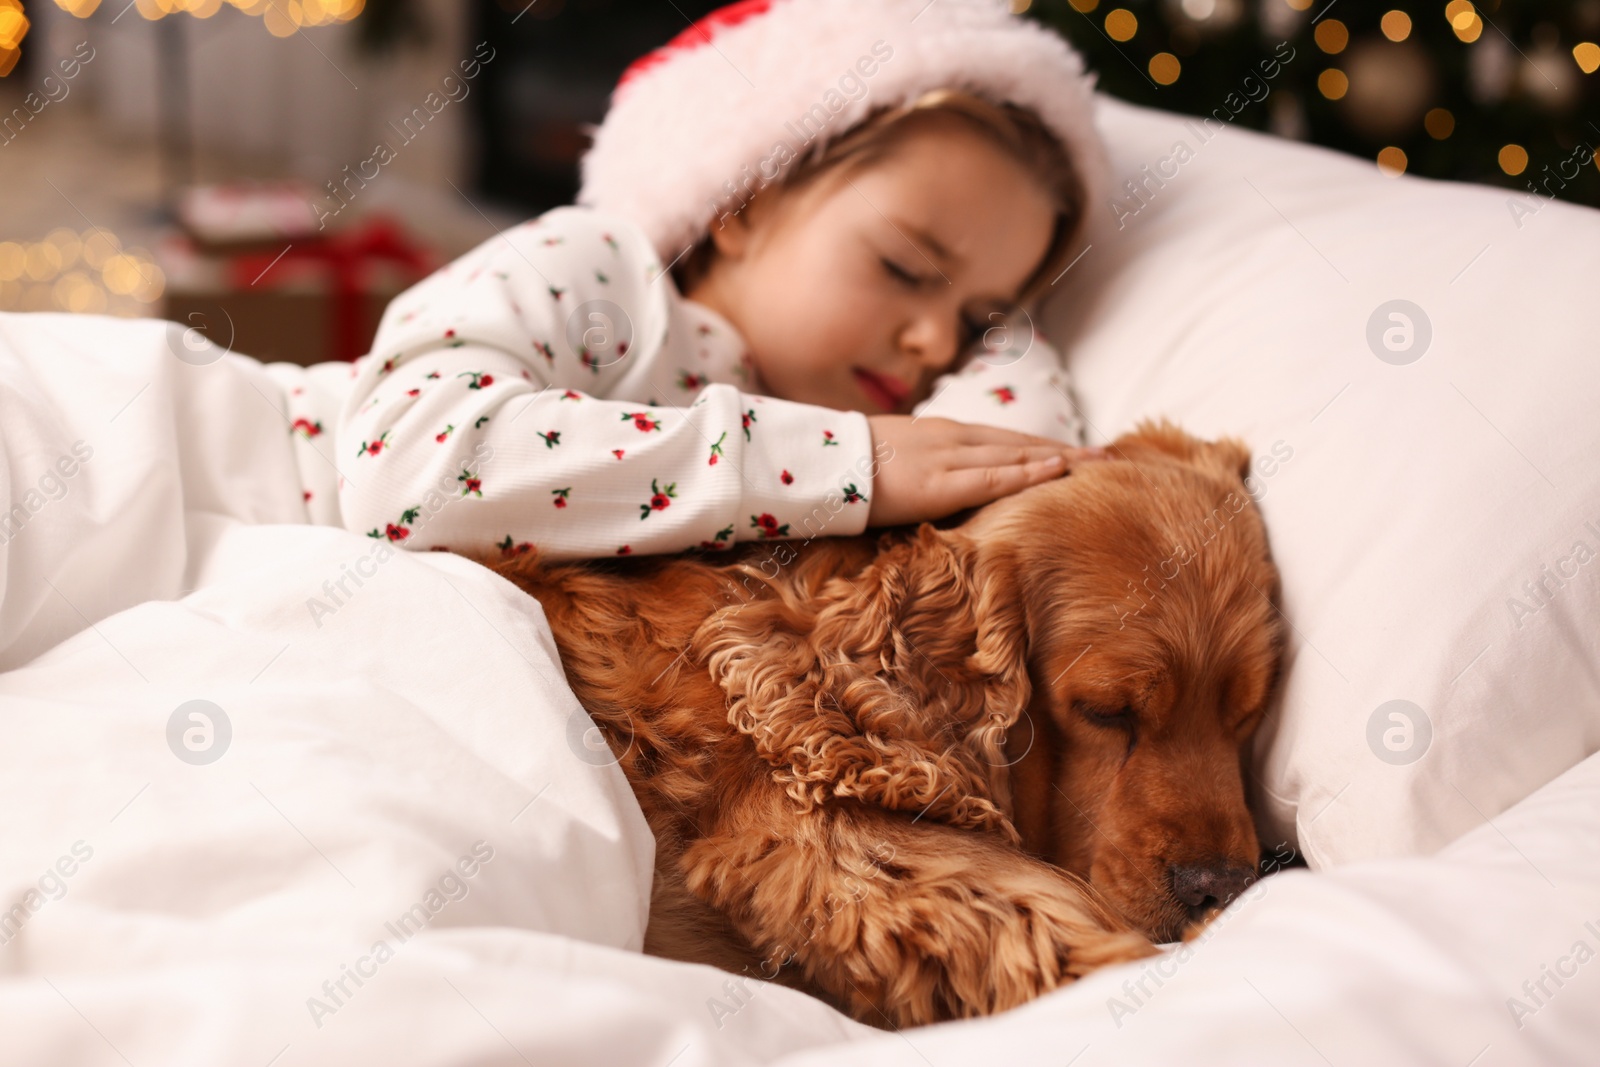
pixel 542 390
pixel 1018 382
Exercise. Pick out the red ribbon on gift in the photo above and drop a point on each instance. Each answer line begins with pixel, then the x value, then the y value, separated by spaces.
pixel 347 255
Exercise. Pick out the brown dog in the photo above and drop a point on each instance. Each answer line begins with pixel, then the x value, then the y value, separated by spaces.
pixel 857 754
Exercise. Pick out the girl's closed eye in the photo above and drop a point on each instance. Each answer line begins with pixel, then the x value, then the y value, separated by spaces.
pixel 900 273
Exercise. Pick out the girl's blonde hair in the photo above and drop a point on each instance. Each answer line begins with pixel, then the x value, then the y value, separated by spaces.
pixel 1017 130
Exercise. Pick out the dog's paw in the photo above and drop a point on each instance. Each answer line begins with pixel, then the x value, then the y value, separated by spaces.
pixel 976 949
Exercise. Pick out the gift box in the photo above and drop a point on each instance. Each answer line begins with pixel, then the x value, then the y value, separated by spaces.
pixel 305 297
pixel 247 216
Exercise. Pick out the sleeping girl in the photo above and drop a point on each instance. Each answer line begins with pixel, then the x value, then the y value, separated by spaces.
pixel 838 342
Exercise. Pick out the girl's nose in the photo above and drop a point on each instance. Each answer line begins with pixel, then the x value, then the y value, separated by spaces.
pixel 931 341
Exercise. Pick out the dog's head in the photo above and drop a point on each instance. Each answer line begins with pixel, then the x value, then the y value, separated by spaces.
pixel 1078 667
pixel 1153 646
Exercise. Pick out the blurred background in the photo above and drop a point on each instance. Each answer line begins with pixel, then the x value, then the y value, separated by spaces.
pixel 274 171
pixel 1491 92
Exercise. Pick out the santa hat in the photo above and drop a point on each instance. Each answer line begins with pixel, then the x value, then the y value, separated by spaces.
pixel 702 122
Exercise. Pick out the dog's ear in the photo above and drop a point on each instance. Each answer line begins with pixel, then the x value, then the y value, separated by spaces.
pixel 1228 455
pixel 894 685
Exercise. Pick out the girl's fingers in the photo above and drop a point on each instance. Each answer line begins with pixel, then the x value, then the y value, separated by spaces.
pixel 981 456
pixel 972 486
pixel 967 433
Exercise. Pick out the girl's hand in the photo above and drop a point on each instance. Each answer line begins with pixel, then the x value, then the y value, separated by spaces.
pixel 935 467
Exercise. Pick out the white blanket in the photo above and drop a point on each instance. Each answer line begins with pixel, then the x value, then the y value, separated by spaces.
pixel 389 778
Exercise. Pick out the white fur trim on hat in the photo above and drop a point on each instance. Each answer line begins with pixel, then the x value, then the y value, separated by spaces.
pixel 700 124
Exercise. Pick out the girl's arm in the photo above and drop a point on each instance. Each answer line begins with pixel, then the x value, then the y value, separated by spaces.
pixel 508 401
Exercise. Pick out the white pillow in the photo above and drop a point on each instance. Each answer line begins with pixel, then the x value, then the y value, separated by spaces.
pixel 1419 475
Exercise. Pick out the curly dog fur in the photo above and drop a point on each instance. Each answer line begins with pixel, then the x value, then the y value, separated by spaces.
pixel 935 773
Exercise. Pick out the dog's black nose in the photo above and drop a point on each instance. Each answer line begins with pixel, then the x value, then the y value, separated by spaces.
pixel 1205 886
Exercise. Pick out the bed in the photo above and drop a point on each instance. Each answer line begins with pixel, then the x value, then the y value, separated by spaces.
pixel 278 795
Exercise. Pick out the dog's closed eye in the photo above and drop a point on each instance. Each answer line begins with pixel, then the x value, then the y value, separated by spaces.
pixel 1112 717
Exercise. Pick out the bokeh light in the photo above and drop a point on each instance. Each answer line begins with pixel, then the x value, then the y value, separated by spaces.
pixel 1331 36
pixel 43 261
pixel 1165 68
pixel 1448 82
pixel 99 246
pixel 1513 159
pixel 13 261
pixel 1391 162
pixel 1121 25
pixel 282 18
pixel 121 274
pixel 67 245
pixel 1439 123
pixel 13 28
pixel 87 272
pixel 1396 25
pixel 1464 20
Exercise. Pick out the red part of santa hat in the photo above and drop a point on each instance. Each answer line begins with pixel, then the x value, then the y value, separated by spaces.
pixel 698 33
pixel 725 108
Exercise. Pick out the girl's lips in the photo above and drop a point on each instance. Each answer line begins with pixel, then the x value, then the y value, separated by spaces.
pixel 886 392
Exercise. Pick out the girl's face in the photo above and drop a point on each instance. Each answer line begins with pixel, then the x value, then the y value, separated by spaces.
pixel 856 291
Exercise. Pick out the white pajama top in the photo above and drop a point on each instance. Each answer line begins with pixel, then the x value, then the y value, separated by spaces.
pixel 552 388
